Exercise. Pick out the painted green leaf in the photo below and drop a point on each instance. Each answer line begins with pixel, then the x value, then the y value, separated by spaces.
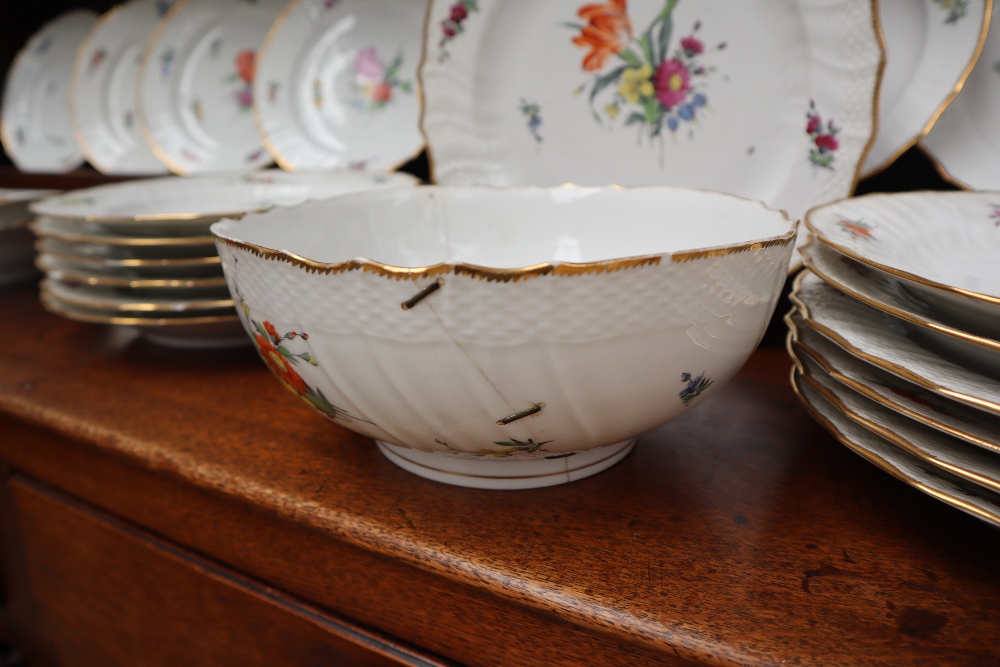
pixel 653 110
pixel 666 28
pixel 647 49
pixel 630 56
pixel 283 351
pixel 605 80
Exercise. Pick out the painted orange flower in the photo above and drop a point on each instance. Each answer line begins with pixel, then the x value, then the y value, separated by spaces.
pixel 608 28
pixel 245 64
pixel 279 365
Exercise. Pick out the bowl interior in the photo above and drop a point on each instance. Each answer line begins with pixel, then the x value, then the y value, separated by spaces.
pixel 508 228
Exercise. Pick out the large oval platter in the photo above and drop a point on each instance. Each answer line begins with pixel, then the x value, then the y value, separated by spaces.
pixel 769 100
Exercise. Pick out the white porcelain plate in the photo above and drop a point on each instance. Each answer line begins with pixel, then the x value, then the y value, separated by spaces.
pixel 202 332
pixel 128 261
pixel 882 340
pixel 769 100
pixel 195 85
pixel 942 246
pixel 931 47
pixel 895 393
pixel 114 300
pixel 14 205
pixel 336 84
pixel 934 447
pixel 102 90
pixel 970 498
pixel 189 205
pixel 965 141
pixel 34 119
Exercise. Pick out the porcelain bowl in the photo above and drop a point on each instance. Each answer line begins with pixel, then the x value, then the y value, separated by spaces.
pixel 507 338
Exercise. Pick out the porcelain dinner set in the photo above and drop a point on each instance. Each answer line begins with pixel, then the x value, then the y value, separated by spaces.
pixel 617 190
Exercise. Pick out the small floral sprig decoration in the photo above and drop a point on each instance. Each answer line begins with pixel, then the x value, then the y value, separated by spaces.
pixel 454 25
pixel 824 138
pixel 995 215
pixel 374 81
pixel 695 386
pixel 957 9
pixel 245 63
pixel 654 87
pixel 857 229
pixel 532 111
pixel 528 446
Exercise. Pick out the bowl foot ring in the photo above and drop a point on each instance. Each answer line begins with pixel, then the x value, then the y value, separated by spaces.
pixel 507 474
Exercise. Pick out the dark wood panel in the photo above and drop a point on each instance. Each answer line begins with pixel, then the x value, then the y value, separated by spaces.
pixel 109 594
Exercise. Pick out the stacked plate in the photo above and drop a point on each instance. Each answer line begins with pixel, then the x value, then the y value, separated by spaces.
pixel 896 338
pixel 139 254
pixel 16 240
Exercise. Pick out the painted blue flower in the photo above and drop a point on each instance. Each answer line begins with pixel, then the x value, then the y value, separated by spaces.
pixel 695 386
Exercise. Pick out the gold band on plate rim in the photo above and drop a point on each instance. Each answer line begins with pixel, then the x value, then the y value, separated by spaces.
pixel 893 368
pixel 912 277
pixel 959 84
pixel 74 81
pixel 68 275
pixel 120 240
pixel 895 439
pixel 981 341
pixel 53 305
pixel 139 306
pixel 111 262
pixel 793 343
pixel 886 466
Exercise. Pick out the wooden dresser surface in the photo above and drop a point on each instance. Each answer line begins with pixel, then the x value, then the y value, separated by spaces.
pixel 739 534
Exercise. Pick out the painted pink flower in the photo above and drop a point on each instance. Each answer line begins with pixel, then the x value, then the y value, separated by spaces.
pixel 449 28
pixel 244 97
pixel 813 125
pixel 672 82
pixel 827 141
pixel 458 12
pixel 368 64
pixel 692 46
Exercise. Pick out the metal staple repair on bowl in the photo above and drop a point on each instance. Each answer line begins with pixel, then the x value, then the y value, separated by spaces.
pixel 527 412
pixel 422 294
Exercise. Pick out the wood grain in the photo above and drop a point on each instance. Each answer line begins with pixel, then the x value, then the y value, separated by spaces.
pixel 112 594
pixel 739 534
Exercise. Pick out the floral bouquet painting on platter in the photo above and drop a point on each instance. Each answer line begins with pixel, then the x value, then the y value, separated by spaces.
pixel 648 79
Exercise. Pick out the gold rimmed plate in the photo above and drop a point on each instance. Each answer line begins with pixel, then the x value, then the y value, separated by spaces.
pixel 202 332
pixel 879 290
pixel 882 340
pixel 941 246
pixel 935 448
pixel 169 258
pixel 935 482
pixel 894 393
pixel 65 230
pixel 67 273
pixel 111 300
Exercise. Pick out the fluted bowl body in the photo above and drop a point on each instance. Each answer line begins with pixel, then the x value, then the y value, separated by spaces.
pixel 523 322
